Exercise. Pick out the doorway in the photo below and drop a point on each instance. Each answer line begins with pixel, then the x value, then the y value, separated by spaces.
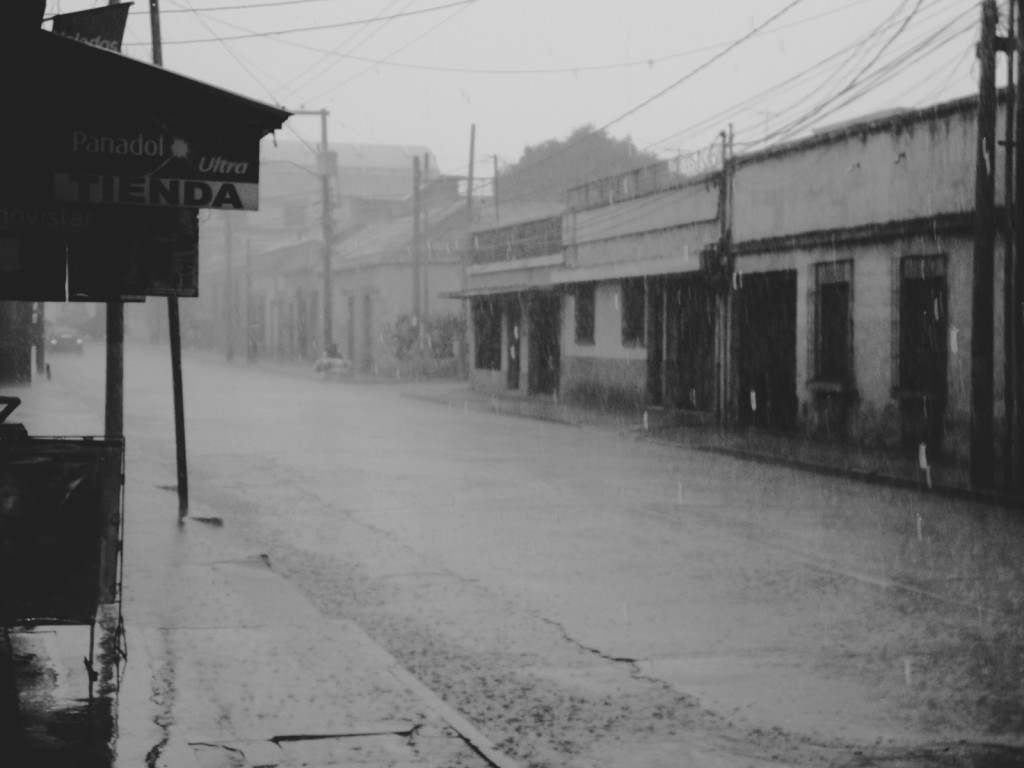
pixel 766 349
pixel 690 338
pixel 543 315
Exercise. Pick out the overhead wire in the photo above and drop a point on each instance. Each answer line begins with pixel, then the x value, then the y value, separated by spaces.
pixel 664 91
pixel 234 55
pixel 241 7
pixel 823 68
pixel 457 11
pixel 582 68
pixel 324 59
pixel 809 115
pixel 319 27
pixel 921 49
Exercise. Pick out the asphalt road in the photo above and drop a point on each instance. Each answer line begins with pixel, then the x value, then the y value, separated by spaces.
pixel 586 598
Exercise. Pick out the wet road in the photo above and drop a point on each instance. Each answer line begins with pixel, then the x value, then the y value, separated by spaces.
pixel 586 598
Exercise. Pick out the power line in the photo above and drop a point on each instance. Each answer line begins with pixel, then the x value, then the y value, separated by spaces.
pixel 319 27
pixel 416 39
pixel 574 70
pixel 808 116
pixel 247 6
pixel 688 76
pixel 336 51
pixel 820 68
pixel 891 69
pixel 916 51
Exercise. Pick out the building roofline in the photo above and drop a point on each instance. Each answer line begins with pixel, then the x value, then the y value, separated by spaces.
pixel 882 124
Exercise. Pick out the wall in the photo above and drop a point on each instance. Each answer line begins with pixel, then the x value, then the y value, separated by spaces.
pixel 605 374
pixel 859 178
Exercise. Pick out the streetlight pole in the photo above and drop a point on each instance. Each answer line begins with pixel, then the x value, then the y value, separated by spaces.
pixel 326 223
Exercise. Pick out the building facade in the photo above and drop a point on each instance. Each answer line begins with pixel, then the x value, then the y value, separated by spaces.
pixel 263 283
pixel 821 288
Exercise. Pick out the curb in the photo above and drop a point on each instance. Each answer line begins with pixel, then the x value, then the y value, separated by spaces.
pixel 526 409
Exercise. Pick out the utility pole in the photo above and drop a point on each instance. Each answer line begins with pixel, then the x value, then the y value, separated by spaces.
pixel 326 223
pixel 173 323
pixel 497 210
pixel 328 230
pixel 416 243
pixel 113 410
pixel 1014 320
pixel 229 289
pixel 465 253
pixel 1010 193
pixel 722 273
pixel 425 208
pixel 982 453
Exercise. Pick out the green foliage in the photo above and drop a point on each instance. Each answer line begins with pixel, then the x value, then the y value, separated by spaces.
pixel 548 169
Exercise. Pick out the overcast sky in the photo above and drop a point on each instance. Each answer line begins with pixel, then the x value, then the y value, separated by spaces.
pixel 670 74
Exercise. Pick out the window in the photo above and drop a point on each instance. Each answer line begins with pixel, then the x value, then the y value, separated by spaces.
pixel 831 306
pixel 585 313
pixel 633 310
pixel 919 327
pixel 487 334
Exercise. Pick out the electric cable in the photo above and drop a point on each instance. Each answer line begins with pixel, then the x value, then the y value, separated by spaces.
pixel 320 27
pixel 820 68
pixel 811 114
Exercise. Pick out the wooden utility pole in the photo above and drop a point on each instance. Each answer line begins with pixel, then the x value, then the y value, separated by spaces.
pixel 229 289
pixel 326 223
pixel 425 207
pixel 722 282
pixel 1009 246
pixel 982 453
pixel 113 410
pixel 328 231
pixel 497 208
pixel 1014 320
pixel 416 243
pixel 465 252
pixel 173 323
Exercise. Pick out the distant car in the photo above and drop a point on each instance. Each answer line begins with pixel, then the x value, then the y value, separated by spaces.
pixel 66 341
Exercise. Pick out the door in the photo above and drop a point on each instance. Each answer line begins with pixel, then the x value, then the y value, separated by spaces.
pixel 543 315
pixel 655 341
pixel 690 315
pixel 514 320
pixel 367 361
pixel 766 365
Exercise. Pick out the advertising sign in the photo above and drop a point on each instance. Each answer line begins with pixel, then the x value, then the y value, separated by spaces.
pixel 150 161
pixel 31 269
pixel 136 252
pixel 105 254
pixel 60 528
pixel 102 27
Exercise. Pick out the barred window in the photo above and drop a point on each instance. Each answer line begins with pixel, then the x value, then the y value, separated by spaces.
pixel 487 334
pixel 584 313
pixel 920 326
pixel 633 311
pixel 831 323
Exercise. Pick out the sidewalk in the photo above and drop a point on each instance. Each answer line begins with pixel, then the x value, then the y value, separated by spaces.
pixel 227 663
pixel 875 466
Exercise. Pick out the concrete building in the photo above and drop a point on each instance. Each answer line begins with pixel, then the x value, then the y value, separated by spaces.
pixel 263 276
pixel 841 311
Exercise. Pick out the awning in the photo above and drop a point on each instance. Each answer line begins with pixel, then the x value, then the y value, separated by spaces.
pixel 105 160
pixel 95 127
pixel 498 290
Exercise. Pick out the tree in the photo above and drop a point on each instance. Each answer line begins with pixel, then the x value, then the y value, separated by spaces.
pixel 547 170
